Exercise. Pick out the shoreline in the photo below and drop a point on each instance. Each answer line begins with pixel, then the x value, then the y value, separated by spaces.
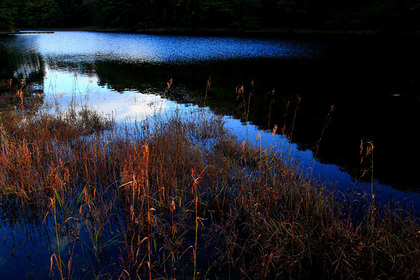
pixel 261 32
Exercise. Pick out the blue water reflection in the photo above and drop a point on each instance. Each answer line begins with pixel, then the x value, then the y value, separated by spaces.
pixel 330 176
pixel 65 88
pixel 66 80
pixel 139 48
pixel 62 58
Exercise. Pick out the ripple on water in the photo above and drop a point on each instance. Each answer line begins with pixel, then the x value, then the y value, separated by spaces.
pixel 140 48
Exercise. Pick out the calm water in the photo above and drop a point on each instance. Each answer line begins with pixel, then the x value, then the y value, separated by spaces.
pixel 373 84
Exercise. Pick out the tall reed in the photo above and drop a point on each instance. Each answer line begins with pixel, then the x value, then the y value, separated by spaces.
pixel 177 196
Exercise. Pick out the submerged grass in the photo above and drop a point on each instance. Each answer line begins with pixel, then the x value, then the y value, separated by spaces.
pixel 179 197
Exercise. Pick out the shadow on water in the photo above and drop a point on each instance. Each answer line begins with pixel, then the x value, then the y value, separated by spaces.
pixel 370 82
pixel 369 103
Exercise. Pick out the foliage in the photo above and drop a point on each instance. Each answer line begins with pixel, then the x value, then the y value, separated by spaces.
pixel 378 15
pixel 7 15
pixel 42 13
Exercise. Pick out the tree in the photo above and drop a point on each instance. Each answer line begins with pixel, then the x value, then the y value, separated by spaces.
pixel 217 13
pixel 413 14
pixel 41 13
pixel 384 15
pixel 251 13
pixel 7 15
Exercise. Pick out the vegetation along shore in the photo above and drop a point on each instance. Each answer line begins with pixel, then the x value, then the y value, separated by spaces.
pixel 182 197
pixel 373 16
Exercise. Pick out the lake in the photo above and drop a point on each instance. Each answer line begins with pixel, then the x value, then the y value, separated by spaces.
pixel 373 84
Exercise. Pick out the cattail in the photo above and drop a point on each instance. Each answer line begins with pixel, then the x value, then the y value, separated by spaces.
pixel 361 146
pixel 274 130
pixel 172 206
pixel 258 136
pixel 209 83
pixel 369 149
pixel 283 129
pixel 239 90
pixel 168 86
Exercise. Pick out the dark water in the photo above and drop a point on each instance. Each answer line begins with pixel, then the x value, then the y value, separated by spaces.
pixel 373 84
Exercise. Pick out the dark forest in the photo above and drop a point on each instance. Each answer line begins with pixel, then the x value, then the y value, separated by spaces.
pixel 381 16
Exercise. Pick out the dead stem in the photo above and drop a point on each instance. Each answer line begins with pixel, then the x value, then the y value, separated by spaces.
pixel 178 195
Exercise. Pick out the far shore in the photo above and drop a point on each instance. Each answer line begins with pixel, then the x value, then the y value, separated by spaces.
pixel 260 32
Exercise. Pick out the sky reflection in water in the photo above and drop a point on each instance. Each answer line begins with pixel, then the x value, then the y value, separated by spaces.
pixel 332 176
pixel 138 48
pixel 64 88
pixel 65 82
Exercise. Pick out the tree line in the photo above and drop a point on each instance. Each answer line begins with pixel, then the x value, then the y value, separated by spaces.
pixel 382 15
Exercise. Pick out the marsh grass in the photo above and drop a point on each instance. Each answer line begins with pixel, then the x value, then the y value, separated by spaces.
pixel 179 197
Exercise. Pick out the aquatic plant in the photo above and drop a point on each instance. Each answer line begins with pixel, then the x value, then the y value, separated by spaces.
pixel 177 196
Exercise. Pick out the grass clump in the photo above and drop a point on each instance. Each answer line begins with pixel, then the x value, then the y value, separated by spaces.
pixel 180 197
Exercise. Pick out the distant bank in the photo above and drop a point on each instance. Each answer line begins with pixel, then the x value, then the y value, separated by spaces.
pixel 270 32
pixel 26 32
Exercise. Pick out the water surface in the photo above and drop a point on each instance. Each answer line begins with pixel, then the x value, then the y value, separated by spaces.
pixel 370 82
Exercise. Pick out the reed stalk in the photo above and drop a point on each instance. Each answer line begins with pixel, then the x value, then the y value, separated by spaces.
pixel 57 237
pixel 149 195
pixel 195 192
pixel 208 86
pixel 318 144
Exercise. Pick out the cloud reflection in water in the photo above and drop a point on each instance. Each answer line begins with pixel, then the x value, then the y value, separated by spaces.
pixel 63 88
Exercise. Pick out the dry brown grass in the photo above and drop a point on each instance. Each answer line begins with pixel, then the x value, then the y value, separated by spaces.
pixel 180 197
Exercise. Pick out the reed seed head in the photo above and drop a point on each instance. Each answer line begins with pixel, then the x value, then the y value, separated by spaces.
pixel 274 130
